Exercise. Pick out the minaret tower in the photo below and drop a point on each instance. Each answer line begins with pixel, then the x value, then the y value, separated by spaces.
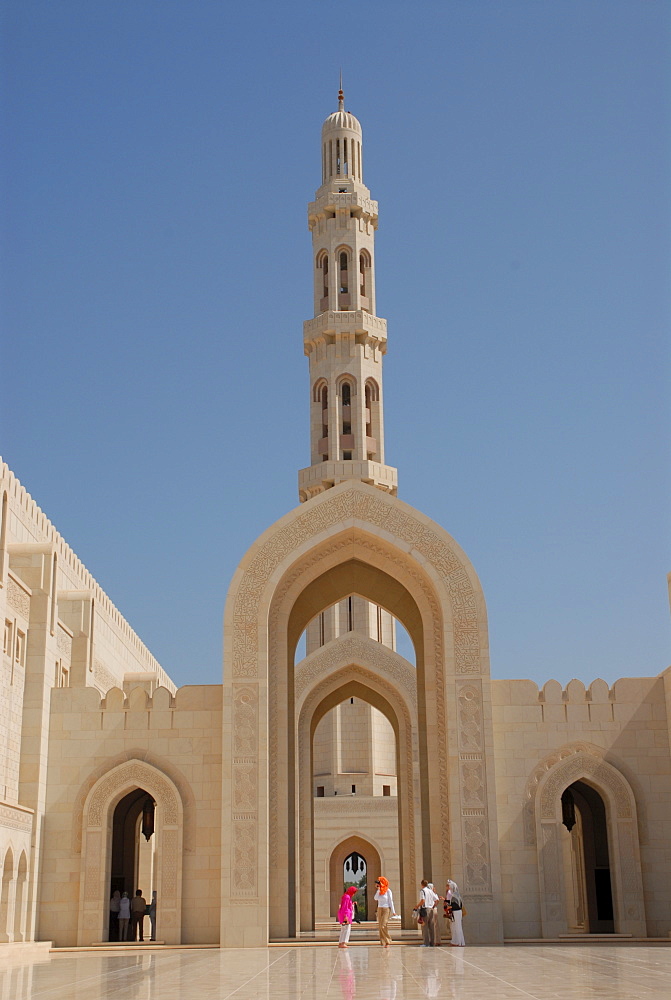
pixel 345 341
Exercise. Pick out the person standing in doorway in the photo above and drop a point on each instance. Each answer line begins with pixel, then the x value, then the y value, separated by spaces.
pixel 385 909
pixel 124 916
pixel 138 908
pixel 152 915
pixel 345 916
pixel 114 915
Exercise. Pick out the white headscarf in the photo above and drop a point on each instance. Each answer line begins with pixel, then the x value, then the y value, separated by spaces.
pixel 454 889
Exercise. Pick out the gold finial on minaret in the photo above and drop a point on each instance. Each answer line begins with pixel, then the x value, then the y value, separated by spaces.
pixel 341 96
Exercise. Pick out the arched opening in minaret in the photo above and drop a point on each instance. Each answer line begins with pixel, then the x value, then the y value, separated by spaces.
pixel 322 280
pixel 372 414
pixel 343 281
pixel 364 280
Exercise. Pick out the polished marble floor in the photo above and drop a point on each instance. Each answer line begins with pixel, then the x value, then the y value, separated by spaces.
pixel 404 972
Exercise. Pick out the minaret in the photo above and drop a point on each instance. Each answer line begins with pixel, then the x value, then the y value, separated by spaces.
pixel 345 341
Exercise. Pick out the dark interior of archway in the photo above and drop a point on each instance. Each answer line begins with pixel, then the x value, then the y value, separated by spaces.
pixel 124 841
pixel 597 864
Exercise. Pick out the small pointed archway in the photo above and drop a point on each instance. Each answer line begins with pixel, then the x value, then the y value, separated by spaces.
pixel 596 781
pixel 366 850
pixel 97 837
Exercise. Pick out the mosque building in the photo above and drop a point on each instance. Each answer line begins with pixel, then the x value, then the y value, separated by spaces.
pixel 247 806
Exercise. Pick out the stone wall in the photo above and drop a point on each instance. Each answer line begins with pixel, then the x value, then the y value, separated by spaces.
pixel 180 737
pixel 628 727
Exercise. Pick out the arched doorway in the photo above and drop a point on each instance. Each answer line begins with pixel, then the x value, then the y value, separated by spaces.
pixel 111 836
pixel 353 539
pixel 575 878
pixel 587 882
pixel 339 872
pixel 134 860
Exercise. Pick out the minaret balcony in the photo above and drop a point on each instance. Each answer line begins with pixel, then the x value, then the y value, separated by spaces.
pixel 322 476
pixel 350 322
pixel 356 201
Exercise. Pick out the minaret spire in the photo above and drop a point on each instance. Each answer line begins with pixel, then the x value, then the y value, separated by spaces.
pixel 345 341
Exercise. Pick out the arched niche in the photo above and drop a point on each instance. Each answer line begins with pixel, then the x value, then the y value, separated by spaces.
pixel 97 823
pixel 623 842
pixel 352 539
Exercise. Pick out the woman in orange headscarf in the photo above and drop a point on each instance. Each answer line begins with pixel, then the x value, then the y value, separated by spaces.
pixel 385 909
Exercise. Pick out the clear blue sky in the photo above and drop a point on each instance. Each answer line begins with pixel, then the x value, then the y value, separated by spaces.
pixel 157 269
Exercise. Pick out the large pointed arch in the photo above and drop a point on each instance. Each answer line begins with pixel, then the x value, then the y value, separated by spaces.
pixel 353 539
pixel 98 811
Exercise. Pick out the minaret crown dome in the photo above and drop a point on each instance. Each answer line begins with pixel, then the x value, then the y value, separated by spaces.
pixel 341 120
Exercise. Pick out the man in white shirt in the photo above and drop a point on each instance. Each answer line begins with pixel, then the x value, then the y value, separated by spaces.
pixel 428 899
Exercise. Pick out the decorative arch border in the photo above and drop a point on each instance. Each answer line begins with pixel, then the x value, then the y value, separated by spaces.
pixel 146 756
pixel 575 764
pixel 408 794
pixel 282 559
pixel 97 822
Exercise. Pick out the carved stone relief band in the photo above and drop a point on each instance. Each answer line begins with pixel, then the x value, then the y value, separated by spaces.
pixel 473 789
pixel 245 775
pixel 18 599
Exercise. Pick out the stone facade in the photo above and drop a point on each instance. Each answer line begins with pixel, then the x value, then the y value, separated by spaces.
pixel 551 808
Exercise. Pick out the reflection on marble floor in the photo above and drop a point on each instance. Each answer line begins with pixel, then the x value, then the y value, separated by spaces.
pixel 579 972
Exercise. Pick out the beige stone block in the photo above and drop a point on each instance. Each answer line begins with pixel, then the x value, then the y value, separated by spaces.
pixel 160 719
pixel 113 720
pixel 137 720
pixel 577 714
pixel 554 712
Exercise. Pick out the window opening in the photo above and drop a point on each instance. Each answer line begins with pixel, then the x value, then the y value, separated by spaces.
pixel 320 791
pixel 344 279
pixel 386 789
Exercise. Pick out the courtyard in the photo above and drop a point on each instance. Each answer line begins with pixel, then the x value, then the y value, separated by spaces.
pixel 365 972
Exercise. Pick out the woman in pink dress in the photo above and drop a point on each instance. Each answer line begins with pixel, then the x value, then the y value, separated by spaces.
pixel 346 916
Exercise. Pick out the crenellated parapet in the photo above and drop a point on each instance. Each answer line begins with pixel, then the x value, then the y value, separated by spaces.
pixel 637 698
